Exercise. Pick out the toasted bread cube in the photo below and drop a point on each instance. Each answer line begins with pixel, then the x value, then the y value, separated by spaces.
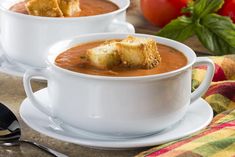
pixel 49 8
pixel 139 52
pixel 69 7
pixel 104 56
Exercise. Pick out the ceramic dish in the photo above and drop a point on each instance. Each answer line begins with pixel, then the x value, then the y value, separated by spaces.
pixel 26 38
pixel 198 116
pixel 118 107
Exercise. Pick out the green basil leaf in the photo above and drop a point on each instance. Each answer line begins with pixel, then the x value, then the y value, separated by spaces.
pixel 204 7
pixel 189 8
pixel 179 29
pixel 213 41
pixel 221 26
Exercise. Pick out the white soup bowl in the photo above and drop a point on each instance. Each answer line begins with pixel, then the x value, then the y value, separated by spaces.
pixel 121 107
pixel 26 39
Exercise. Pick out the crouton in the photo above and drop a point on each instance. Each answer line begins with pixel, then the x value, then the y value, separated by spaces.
pixel 49 8
pixel 131 52
pixel 139 52
pixel 69 7
pixel 104 56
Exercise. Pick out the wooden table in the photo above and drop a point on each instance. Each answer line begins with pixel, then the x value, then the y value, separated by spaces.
pixel 12 94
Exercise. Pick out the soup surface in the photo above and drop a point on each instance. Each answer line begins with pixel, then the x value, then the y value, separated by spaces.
pixel 74 59
pixel 88 7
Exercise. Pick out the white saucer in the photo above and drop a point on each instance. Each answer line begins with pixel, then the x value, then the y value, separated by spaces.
pixel 8 67
pixel 12 67
pixel 198 117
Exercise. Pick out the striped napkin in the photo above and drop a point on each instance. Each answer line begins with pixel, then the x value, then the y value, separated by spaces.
pixel 218 139
pixel 221 94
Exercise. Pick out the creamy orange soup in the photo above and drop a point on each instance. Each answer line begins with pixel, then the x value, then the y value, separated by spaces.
pixel 88 7
pixel 74 59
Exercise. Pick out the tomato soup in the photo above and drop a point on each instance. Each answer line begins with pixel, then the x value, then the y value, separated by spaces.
pixel 75 60
pixel 88 7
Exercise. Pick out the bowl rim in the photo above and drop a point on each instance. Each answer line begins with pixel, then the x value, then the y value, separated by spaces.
pixel 51 60
pixel 65 19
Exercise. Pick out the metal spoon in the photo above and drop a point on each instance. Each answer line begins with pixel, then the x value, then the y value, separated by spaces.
pixel 10 132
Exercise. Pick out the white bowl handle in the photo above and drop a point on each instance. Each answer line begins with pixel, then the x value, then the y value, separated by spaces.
pixel 208 78
pixel 121 27
pixel 45 108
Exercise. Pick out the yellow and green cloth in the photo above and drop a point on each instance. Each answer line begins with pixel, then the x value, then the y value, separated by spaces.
pixel 218 139
pixel 221 94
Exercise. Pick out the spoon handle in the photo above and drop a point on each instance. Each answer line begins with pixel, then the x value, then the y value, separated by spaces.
pixel 46 149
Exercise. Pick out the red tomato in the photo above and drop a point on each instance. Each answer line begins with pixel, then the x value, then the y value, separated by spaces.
pixel 228 9
pixel 161 12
